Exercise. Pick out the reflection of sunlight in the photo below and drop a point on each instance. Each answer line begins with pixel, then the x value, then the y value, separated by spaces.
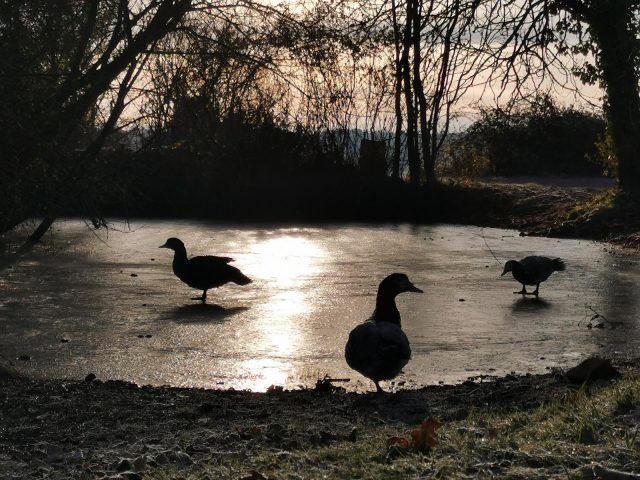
pixel 285 260
pixel 286 264
pixel 264 373
pixel 279 327
pixel 287 304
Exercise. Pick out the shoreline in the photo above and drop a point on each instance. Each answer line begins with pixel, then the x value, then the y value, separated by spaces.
pixel 114 429
pixel 553 207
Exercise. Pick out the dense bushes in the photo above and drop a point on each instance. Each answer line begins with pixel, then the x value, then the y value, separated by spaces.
pixel 540 139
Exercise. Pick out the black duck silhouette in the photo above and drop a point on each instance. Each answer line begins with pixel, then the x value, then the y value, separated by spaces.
pixel 203 272
pixel 533 270
pixel 378 348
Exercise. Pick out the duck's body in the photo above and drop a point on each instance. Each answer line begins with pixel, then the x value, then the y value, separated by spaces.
pixel 203 272
pixel 378 348
pixel 533 270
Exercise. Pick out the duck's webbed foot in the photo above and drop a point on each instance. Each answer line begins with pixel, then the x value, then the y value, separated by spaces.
pixel 378 387
pixel 522 292
pixel 202 298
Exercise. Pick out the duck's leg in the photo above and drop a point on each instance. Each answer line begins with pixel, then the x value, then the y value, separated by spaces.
pixel 202 298
pixel 523 291
pixel 536 290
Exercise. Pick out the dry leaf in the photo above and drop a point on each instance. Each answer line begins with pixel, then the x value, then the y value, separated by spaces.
pixel 399 442
pixel 424 437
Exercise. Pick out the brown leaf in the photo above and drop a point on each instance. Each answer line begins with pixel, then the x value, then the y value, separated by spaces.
pixel 424 437
pixel 399 442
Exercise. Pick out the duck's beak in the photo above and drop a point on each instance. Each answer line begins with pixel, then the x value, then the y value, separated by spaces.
pixel 412 288
pixel 504 272
pixel 163 246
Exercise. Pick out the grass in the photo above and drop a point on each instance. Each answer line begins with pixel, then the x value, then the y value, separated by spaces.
pixel 558 439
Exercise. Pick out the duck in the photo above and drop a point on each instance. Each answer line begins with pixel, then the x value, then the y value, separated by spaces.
pixel 204 272
pixel 533 270
pixel 378 348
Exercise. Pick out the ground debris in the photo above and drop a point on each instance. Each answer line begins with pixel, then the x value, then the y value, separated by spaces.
pixel 599 472
pixel 592 369
pixel 76 429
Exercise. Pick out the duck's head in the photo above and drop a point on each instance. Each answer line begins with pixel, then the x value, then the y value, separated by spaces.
pixel 395 284
pixel 509 267
pixel 174 244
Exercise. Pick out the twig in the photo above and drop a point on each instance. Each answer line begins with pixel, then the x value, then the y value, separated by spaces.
pixel 597 314
pixel 609 474
pixel 488 247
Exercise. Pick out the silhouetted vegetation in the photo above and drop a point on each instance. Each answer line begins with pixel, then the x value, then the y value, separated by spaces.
pixel 106 106
pixel 539 139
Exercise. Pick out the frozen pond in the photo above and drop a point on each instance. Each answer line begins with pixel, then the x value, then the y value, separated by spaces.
pixel 89 303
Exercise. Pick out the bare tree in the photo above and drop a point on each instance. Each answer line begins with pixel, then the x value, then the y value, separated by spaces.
pixel 538 44
pixel 103 44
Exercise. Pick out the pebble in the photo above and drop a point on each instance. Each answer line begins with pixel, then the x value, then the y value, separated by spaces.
pixel 54 453
pixel 140 463
pixel 124 465
pixel 24 358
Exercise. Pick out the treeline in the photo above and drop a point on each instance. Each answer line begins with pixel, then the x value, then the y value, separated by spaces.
pixel 108 106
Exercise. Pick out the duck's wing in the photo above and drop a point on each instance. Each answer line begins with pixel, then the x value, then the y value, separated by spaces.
pixel 538 267
pixel 208 260
pixel 211 271
pixel 374 347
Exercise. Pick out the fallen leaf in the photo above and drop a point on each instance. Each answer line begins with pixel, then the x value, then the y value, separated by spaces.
pixel 424 437
pixel 399 442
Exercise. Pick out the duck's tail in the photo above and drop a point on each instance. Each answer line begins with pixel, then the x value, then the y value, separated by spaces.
pixel 558 265
pixel 240 278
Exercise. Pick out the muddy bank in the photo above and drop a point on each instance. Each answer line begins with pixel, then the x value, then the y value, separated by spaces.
pixel 93 429
pixel 580 209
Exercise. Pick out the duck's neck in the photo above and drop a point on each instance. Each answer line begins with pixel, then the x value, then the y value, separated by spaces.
pixel 518 271
pixel 179 256
pixel 386 310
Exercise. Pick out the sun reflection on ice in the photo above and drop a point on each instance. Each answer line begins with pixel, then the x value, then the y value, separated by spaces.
pixel 287 260
pixel 264 373
pixel 286 265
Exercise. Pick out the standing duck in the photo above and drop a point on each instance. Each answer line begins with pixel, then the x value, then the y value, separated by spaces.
pixel 378 348
pixel 533 270
pixel 203 272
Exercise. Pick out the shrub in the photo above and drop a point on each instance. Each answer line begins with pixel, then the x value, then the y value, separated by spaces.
pixel 539 139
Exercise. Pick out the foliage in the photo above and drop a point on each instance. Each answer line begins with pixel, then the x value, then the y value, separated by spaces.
pixel 538 139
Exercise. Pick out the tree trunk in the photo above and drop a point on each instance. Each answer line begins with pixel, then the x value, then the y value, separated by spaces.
pixel 397 143
pixel 610 22
pixel 412 140
pixel 418 87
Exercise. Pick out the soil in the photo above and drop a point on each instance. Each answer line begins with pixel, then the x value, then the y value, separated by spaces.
pixel 113 429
